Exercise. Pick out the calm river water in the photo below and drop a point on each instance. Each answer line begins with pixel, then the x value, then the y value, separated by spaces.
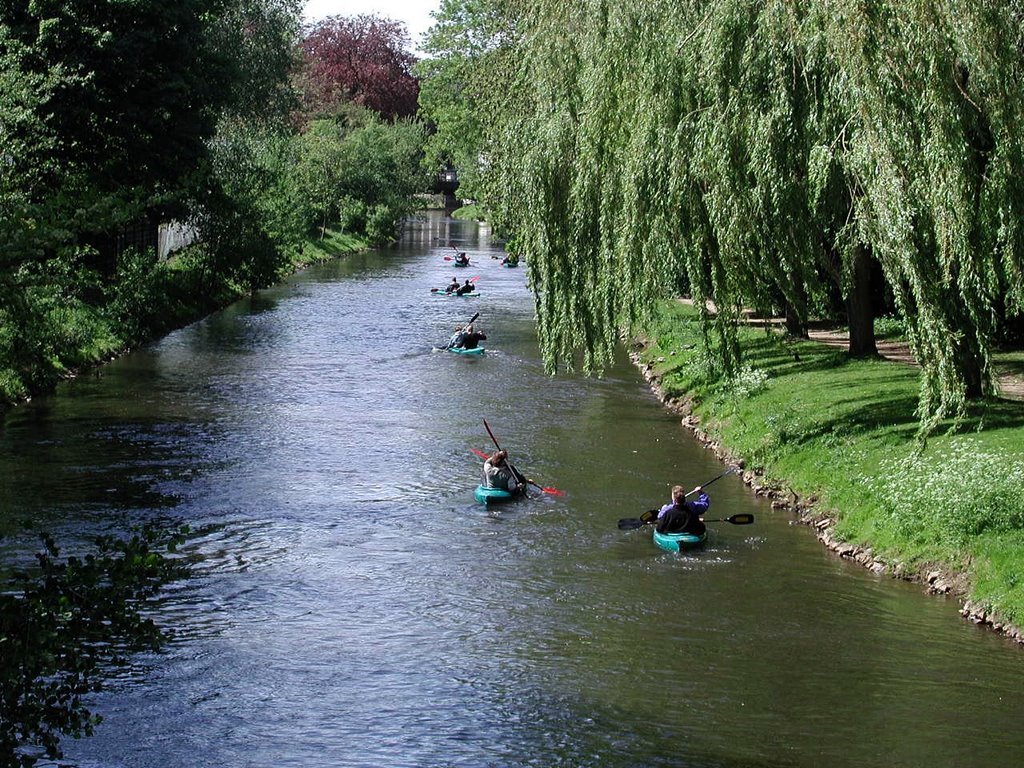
pixel 351 605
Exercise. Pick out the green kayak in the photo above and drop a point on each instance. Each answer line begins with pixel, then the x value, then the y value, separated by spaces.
pixel 488 496
pixel 464 351
pixel 679 542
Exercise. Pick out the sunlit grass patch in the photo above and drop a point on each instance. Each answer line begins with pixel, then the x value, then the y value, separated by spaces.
pixel 943 498
pixel 331 246
pixel 997 574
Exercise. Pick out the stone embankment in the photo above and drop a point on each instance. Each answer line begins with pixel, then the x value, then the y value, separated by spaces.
pixel 935 581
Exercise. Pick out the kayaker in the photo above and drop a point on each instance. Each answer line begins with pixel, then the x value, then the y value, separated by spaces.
pixel 456 339
pixel 682 515
pixel 464 289
pixel 453 286
pixel 468 338
pixel 498 473
pixel 462 259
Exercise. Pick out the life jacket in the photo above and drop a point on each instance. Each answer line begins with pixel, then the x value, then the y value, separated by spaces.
pixel 680 520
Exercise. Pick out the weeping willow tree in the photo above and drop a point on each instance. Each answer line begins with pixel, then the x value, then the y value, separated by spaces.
pixel 767 153
pixel 933 94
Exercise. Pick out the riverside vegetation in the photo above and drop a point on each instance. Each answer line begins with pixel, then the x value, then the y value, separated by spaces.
pixel 837 439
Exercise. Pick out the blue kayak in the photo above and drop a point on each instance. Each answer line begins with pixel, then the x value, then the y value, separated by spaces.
pixel 464 351
pixel 488 496
pixel 679 542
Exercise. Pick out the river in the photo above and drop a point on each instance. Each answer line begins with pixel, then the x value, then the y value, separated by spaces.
pixel 350 605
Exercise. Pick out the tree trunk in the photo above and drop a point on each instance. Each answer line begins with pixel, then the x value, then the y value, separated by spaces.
pixel 795 325
pixel 859 311
pixel 969 362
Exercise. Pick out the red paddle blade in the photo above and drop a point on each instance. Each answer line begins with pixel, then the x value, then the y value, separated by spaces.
pixel 474 279
pixel 447 258
pixel 552 491
pixel 481 454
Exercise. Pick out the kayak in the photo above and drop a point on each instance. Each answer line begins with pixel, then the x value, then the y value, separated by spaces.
pixel 464 351
pixel 461 263
pixel 488 496
pixel 443 295
pixel 679 542
pixel 510 264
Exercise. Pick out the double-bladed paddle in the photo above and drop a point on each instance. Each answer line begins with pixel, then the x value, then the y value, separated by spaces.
pixel 648 517
pixel 546 488
pixel 522 478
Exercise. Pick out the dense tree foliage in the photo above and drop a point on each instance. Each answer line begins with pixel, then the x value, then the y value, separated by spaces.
pixel 363 59
pixel 775 154
pixel 107 116
pixel 360 172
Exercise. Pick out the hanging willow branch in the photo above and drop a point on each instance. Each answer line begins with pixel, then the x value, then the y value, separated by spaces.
pixel 751 152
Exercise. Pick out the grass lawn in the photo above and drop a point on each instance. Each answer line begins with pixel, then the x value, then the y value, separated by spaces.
pixel 846 431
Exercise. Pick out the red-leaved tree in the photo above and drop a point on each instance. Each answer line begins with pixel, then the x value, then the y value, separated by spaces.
pixel 363 59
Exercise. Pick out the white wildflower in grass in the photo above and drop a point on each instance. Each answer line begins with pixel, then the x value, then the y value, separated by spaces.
pixel 748 382
pixel 951 495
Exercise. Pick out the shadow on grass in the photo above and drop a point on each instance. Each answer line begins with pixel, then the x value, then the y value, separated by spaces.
pixel 995 413
pixel 1012 367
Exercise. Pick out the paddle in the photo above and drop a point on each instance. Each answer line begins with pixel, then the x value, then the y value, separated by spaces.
pixel 471 320
pixel 648 517
pixel 546 489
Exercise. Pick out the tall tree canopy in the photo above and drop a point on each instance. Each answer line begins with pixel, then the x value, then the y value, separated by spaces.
pixel 137 88
pixel 363 59
pixel 108 111
pixel 464 86
pixel 768 153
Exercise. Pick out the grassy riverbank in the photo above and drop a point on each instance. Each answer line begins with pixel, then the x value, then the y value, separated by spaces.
pixel 843 432
pixel 145 300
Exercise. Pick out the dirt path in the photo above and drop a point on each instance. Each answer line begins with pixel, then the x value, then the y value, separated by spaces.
pixel 1011 387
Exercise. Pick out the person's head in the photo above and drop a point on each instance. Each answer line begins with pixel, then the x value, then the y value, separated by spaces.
pixel 498 458
pixel 469 328
pixel 678 494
